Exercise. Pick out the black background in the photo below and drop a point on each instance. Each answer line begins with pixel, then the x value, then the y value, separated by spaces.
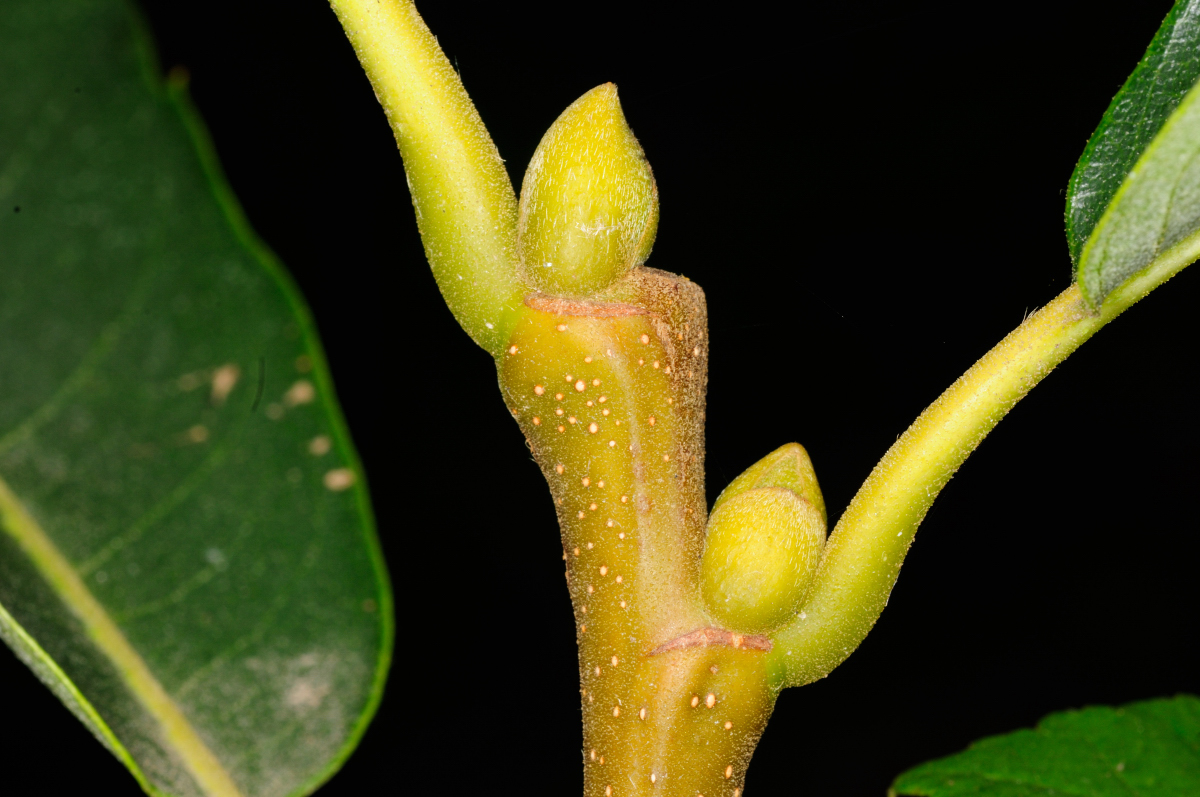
pixel 871 195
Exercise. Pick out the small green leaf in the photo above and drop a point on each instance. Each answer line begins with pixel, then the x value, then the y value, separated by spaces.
pixel 1150 749
pixel 1135 193
pixel 187 554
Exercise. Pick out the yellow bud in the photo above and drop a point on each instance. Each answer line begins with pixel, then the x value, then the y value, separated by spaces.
pixel 589 204
pixel 787 466
pixel 764 541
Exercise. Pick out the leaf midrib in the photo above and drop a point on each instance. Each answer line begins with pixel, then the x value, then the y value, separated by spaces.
pixel 199 760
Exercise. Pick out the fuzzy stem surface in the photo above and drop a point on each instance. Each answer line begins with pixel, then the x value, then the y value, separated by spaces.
pixel 863 555
pixel 465 206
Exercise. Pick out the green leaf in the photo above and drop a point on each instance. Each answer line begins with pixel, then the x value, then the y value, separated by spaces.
pixel 1151 749
pixel 187 553
pixel 1135 193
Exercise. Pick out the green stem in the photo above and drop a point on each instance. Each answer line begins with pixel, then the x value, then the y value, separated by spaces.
pixel 863 556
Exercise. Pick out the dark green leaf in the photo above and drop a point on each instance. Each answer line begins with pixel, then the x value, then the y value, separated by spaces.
pixel 190 565
pixel 1122 215
pixel 1151 749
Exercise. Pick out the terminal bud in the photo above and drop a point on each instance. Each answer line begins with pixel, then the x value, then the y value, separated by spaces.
pixel 589 204
pixel 763 543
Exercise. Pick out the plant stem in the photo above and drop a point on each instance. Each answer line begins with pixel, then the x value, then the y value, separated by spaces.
pixel 608 388
pixel 610 396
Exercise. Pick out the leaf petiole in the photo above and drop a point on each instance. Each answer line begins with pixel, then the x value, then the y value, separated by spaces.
pixel 863 555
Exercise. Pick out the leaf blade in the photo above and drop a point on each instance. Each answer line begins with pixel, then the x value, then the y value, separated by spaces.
pixel 131 292
pixel 1155 212
pixel 1151 748
pixel 107 636
pixel 1119 148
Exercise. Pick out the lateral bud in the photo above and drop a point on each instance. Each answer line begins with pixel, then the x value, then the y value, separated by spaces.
pixel 589 204
pixel 763 543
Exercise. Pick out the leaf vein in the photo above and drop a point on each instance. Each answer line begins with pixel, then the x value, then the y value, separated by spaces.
pixel 158 512
pixel 108 637
pixel 86 369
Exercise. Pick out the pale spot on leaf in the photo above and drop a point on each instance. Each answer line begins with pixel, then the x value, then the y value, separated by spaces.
pixel 307 694
pixel 223 381
pixel 339 479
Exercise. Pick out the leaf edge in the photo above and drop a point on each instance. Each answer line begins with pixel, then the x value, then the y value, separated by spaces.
pixel 231 208
pixel 1166 261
